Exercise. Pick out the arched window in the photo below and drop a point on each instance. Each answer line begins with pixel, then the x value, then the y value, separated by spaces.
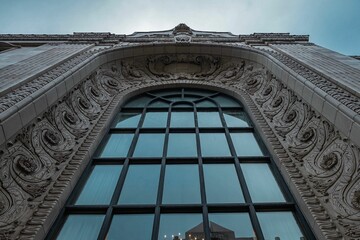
pixel 181 164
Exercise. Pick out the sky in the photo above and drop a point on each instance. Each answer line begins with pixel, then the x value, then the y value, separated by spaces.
pixel 334 24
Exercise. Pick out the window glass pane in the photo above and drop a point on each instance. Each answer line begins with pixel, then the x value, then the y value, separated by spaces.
pixel 117 145
pixel 159 104
pixel 206 103
pixel 182 105
pixel 222 184
pixel 128 120
pixel 261 183
pixel 182 119
pixel 131 226
pixel 231 226
pixel 279 224
pixel 245 144
pixel 100 186
pixel 214 144
pixel 209 119
pixel 181 226
pixel 181 184
pixel 155 120
pixel 200 92
pixel 235 119
pixel 139 102
pixel 225 101
pixel 149 145
pixel 81 227
pixel 182 145
pixel 140 185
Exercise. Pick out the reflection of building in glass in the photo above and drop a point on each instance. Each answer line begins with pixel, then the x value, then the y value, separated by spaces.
pixel 217 232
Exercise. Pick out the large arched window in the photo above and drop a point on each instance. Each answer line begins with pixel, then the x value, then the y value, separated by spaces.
pixel 181 164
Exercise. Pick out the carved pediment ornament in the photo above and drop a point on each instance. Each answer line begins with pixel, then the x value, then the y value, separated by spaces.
pixel 38 166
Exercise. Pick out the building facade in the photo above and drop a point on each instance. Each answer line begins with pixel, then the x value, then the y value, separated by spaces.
pixel 60 96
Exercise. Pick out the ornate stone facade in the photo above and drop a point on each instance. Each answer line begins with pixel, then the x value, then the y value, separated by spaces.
pixel 42 160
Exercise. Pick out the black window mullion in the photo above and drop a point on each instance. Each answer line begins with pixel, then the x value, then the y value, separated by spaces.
pixel 251 208
pixel 156 225
pixel 247 197
pixel 107 221
pixel 206 224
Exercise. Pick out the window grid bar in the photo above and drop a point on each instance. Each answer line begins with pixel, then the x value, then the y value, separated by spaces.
pixel 205 216
pixel 159 208
pixel 254 220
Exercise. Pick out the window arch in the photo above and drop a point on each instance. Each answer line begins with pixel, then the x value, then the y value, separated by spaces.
pixel 181 164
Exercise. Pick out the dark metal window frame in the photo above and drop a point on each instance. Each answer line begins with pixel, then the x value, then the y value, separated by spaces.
pixel 203 208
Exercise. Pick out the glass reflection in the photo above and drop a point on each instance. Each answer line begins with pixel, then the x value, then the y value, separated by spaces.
pixel 236 119
pixel 231 226
pixel 128 120
pixel 205 104
pixel 139 102
pixel 225 101
pixel 182 119
pixel 182 145
pixel 81 227
pixel 279 224
pixel 181 184
pixel 181 226
pixel 140 185
pixel 149 145
pixel 214 145
pixel 222 184
pixel 261 183
pixel 131 227
pixel 245 144
pixel 209 119
pixel 155 120
pixel 117 145
pixel 100 186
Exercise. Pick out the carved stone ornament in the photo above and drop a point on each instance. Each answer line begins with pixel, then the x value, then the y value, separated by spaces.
pixel 40 165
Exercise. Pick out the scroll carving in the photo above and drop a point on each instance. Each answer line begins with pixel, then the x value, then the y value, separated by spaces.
pixel 37 166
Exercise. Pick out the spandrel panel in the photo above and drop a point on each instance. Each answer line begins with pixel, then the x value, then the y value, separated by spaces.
pixel 279 224
pixel 261 183
pixel 236 119
pixel 209 119
pixel 149 145
pixel 131 227
pixel 237 225
pixel 181 184
pixel 181 226
pixel 99 187
pixel 214 145
pixel 117 146
pixel 155 120
pixel 182 145
pixel 128 120
pixel 245 144
pixel 81 227
pixel 182 120
pixel 222 184
pixel 141 184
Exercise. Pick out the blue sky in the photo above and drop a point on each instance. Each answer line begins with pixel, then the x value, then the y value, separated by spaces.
pixel 334 24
